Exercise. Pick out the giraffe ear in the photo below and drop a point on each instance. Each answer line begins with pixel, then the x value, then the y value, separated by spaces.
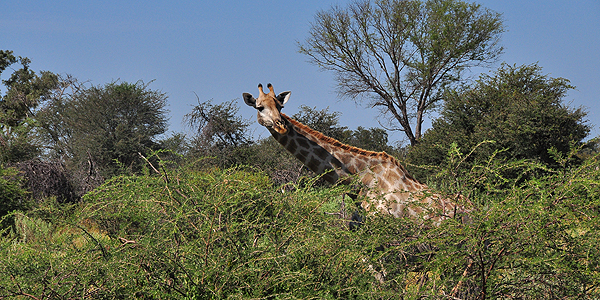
pixel 249 99
pixel 283 97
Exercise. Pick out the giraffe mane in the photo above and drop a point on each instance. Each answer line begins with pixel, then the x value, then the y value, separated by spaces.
pixel 329 140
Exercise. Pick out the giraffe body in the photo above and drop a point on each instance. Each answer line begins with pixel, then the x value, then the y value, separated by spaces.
pixel 390 188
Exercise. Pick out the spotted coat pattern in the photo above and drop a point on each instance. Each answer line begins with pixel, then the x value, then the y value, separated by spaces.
pixel 389 187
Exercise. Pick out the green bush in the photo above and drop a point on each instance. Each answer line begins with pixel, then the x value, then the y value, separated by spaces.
pixel 233 234
pixel 12 195
pixel 187 235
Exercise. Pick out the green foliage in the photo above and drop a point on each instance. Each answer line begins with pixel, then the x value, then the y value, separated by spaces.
pixel 327 123
pixel 323 121
pixel 107 126
pixel 16 142
pixel 401 55
pixel 26 90
pixel 537 240
pixel 519 108
pixel 185 235
pixel 374 139
pixel 12 195
pixel 233 234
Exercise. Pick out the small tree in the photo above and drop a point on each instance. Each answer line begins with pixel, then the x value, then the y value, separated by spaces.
pixel 401 54
pixel 519 108
pixel 221 133
pixel 105 127
pixel 26 90
pixel 323 121
pixel 374 139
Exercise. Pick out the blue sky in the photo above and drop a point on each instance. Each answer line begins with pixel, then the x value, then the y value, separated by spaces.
pixel 220 49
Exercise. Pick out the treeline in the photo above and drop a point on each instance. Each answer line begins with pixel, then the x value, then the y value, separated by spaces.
pixel 67 137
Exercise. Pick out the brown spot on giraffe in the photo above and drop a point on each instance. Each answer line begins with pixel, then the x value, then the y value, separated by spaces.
pixel 360 164
pixel 303 143
pixel 352 169
pixel 314 164
pixel 283 139
pixel 383 185
pixel 321 153
pixel 292 146
pixel 367 178
pixel 392 176
pixel 391 188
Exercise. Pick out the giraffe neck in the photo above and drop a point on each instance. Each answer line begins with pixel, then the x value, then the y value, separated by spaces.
pixel 393 188
pixel 318 157
pixel 323 154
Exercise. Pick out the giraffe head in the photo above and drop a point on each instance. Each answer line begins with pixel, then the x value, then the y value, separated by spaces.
pixel 269 108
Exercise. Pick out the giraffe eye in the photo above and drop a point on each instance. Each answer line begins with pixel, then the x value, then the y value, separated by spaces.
pixel 260 108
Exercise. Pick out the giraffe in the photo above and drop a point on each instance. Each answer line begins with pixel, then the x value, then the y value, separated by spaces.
pixel 390 188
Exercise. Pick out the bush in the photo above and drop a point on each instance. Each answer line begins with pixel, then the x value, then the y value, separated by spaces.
pixel 193 234
pixel 12 195
pixel 48 179
pixel 232 234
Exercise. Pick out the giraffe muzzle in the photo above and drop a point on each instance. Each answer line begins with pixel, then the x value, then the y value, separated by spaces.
pixel 280 127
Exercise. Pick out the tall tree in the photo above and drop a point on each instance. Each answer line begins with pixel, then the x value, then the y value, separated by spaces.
pixel 401 54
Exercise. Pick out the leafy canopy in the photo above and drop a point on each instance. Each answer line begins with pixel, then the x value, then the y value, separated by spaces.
pixel 25 92
pixel 518 107
pixel 107 126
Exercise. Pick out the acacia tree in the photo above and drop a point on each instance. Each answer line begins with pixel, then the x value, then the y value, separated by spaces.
pixel 105 127
pixel 518 107
pixel 219 125
pixel 400 55
pixel 220 133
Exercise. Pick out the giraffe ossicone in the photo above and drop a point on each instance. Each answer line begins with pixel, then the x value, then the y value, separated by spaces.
pixel 390 188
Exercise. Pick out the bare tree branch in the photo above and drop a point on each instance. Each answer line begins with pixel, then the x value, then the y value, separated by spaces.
pixel 401 55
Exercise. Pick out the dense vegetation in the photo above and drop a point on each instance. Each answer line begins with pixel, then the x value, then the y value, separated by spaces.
pixel 97 202
pixel 518 107
pixel 183 233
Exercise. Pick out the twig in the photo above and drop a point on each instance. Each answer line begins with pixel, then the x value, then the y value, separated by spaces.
pixel 125 241
pixel 21 290
pixel 165 178
pixel 153 168
pixel 460 282
pixel 104 253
